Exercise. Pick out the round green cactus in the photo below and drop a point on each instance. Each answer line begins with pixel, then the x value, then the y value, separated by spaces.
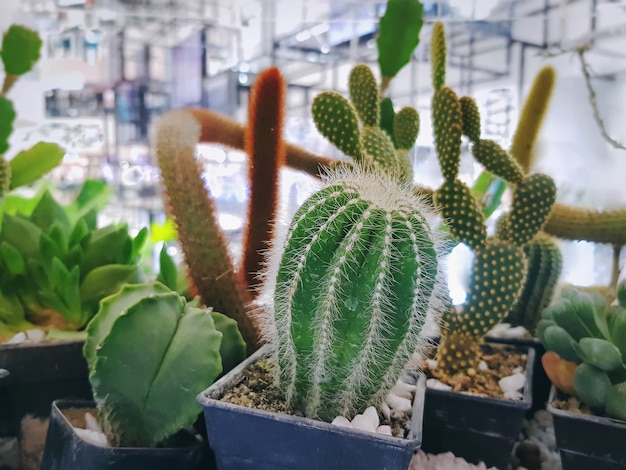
pixel 355 282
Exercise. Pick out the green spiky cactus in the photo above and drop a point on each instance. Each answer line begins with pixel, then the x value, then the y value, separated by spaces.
pixel 448 127
pixel 496 160
pixel 499 267
pixel 580 329
pixel 471 118
pixel 438 55
pixel 145 398
pixel 373 142
pixel 352 288
pixel 5 177
pixel 544 269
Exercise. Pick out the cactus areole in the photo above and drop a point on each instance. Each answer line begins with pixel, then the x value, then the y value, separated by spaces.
pixel 358 276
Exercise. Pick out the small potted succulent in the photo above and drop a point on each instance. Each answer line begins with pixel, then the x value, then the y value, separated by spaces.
pixel 586 361
pixel 56 267
pixel 143 401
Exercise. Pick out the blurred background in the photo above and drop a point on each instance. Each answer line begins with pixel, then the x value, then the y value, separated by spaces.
pixel 110 68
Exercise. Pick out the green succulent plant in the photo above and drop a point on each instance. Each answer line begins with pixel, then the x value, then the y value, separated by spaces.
pixel 57 265
pixel 20 51
pixel 579 328
pixel 352 288
pixel 144 398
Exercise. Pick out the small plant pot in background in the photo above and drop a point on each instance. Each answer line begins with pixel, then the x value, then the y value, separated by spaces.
pixel 588 442
pixel 476 428
pixel 246 438
pixel 38 374
pixel 541 383
pixel 65 450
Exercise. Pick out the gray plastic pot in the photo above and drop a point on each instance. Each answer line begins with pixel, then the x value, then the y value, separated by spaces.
pixel 65 450
pixel 476 428
pixel 588 442
pixel 245 438
pixel 38 374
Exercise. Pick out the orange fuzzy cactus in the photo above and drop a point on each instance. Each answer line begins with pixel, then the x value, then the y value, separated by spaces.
pixel 266 155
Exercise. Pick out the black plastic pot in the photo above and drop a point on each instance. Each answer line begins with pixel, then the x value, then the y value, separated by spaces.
pixel 38 374
pixel 245 438
pixel 478 429
pixel 588 442
pixel 65 450
pixel 541 383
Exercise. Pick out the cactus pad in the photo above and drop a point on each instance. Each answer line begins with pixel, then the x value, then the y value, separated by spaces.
pixel 461 212
pixel 5 177
pixel 573 223
pixel 532 201
pixel 354 283
pixel 458 352
pixel 438 55
pixel 364 95
pixel 448 125
pixel 495 159
pixel 544 269
pixel 497 276
pixel 378 147
pixel 336 120
pixel 406 127
pixel 387 116
pixel 471 118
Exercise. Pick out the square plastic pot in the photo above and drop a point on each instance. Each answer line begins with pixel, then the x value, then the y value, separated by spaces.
pixel 246 438
pixel 65 450
pixel 541 383
pixel 476 428
pixel 38 374
pixel 588 442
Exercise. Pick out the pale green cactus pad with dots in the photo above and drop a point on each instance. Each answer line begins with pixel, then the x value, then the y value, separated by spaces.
pixel 336 120
pixel 448 126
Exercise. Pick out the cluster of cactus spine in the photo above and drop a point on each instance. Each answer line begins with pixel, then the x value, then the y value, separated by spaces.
pixel 356 279
pixel 579 329
pixel 500 265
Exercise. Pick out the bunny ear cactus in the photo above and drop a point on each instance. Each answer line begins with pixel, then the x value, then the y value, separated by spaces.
pixel 499 267
pixel 145 398
pixel 580 329
pixel 352 288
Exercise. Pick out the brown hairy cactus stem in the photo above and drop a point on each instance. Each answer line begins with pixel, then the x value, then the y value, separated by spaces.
pixel 218 129
pixel 266 154
pixel 193 210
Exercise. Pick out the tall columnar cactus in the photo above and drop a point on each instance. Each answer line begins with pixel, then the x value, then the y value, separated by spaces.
pixel 581 330
pixel 544 268
pixel 352 288
pixel 499 266
pixel 531 118
pixel 266 155
pixel 193 210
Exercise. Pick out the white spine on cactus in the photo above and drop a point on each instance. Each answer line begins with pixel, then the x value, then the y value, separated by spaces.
pixel 383 194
